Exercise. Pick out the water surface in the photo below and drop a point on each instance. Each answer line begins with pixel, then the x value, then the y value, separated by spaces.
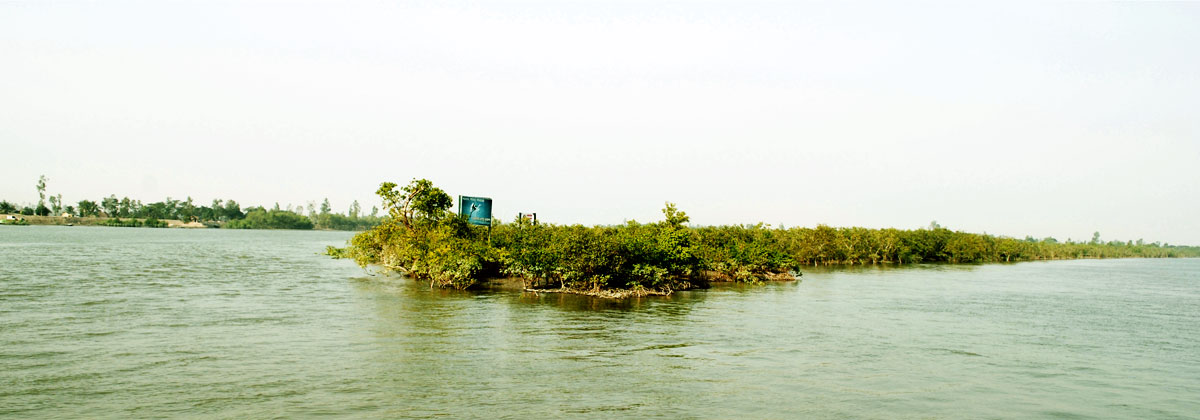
pixel 119 322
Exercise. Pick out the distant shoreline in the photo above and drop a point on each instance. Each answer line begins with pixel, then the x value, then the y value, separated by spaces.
pixel 99 221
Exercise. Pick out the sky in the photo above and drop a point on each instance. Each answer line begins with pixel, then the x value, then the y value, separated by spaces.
pixel 1015 119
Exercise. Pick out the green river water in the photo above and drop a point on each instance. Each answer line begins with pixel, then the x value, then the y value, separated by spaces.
pixel 150 323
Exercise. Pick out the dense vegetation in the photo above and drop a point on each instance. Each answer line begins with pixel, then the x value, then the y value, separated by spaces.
pixel 428 242
pixel 223 213
pixel 274 219
pixel 149 222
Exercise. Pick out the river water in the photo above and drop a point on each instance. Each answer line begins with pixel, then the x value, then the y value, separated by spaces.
pixel 121 322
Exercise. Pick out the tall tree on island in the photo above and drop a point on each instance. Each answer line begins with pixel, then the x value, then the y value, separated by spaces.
pixel 417 200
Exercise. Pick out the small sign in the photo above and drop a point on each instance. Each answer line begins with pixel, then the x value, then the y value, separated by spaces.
pixel 478 210
pixel 528 217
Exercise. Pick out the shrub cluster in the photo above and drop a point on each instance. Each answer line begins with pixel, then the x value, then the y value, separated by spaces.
pixel 448 252
pixel 118 222
pixel 271 219
pixel 426 241
pixel 659 257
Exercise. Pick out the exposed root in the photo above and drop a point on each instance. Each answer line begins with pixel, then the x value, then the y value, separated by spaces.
pixel 604 293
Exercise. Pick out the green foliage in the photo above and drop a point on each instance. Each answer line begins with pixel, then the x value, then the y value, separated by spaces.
pixel 337 253
pixel 117 222
pixel 273 219
pixel 748 253
pixel 825 245
pixel 334 221
pixel 6 207
pixel 448 253
pixel 88 208
pixel 427 242
pixel 417 202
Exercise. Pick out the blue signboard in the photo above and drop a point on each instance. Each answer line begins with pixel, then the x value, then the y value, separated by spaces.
pixel 477 209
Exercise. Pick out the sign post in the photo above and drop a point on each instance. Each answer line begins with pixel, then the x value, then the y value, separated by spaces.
pixel 531 217
pixel 478 211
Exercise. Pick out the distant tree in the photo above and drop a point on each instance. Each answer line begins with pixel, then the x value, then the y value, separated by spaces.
pixel 88 208
pixel 55 207
pixel 125 207
pixel 172 208
pixel 1095 238
pixel 933 225
pixel 187 210
pixel 232 211
pixel 41 190
pixel 27 211
pixel 156 211
pixel 325 207
pixel 374 211
pixel 205 213
pixel 110 205
pixel 42 210
pixel 70 210
pixel 354 210
pixel 6 207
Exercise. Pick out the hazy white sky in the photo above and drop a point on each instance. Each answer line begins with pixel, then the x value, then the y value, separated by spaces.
pixel 1040 119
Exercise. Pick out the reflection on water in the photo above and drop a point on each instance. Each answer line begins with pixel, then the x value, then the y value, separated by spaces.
pixel 110 322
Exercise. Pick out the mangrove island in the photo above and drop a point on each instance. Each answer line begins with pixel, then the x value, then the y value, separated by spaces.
pixel 423 239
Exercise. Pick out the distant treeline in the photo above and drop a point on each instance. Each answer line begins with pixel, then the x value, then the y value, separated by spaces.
pixel 225 213
pixel 426 241
pixel 856 245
